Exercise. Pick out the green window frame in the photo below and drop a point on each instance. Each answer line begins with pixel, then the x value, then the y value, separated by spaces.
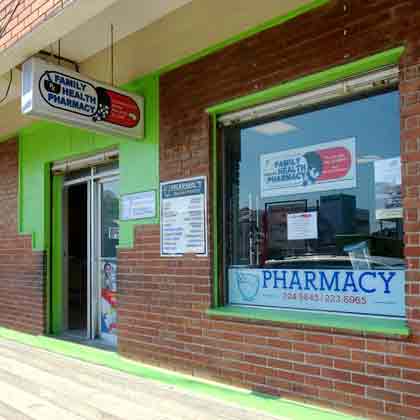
pixel 311 82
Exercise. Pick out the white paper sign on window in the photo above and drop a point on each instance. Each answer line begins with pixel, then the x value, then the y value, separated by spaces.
pixel 302 226
pixel 321 167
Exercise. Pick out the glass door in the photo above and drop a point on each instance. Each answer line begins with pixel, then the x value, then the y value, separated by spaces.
pixel 90 208
pixel 76 273
pixel 106 260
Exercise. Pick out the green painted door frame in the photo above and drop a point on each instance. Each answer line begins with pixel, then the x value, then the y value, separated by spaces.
pixel 40 194
pixel 56 246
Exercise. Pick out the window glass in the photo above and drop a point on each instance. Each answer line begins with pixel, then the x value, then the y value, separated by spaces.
pixel 316 191
pixel 109 218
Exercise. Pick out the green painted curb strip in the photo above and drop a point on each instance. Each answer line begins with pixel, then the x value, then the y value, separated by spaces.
pixel 310 82
pixel 246 34
pixel 275 406
pixel 390 327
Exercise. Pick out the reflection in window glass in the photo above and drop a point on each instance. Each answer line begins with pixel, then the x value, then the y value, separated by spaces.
pixel 317 190
pixel 109 219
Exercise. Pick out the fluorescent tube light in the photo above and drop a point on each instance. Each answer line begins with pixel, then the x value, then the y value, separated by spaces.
pixel 273 128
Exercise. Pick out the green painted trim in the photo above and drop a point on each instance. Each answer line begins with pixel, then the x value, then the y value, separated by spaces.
pixel 310 82
pixel 279 407
pixel 20 185
pixel 148 86
pixel 56 278
pixel 279 20
pixel 47 207
pixel 246 34
pixel 215 218
pixel 392 327
pixel 386 58
pixel 48 230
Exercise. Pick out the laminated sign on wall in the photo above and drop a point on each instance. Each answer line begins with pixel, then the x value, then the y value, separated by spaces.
pixel 183 224
pixel 140 205
pixel 321 167
pixel 58 94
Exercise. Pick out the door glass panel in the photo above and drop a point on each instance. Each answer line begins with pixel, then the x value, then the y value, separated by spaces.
pixel 109 236
pixel 76 259
pixel 106 167
pixel 78 174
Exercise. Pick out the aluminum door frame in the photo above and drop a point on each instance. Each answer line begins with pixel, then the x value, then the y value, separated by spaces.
pixel 93 183
pixel 99 181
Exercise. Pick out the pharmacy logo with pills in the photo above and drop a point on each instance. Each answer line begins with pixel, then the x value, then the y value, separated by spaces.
pixel 78 96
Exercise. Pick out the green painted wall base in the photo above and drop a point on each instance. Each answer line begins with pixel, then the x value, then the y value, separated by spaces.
pixel 279 407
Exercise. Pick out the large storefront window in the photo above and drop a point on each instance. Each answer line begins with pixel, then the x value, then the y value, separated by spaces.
pixel 313 209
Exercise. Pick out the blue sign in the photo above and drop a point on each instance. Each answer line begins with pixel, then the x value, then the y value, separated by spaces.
pixel 183 188
pixel 370 292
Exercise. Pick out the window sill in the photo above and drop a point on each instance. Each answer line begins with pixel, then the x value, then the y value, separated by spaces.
pixel 382 326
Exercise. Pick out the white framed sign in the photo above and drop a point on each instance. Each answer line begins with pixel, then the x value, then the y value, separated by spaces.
pixel 320 167
pixel 183 217
pixel 55 93
pixel 363 292
pixel 140 205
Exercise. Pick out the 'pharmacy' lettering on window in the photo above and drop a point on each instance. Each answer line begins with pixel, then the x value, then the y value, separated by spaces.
pixel 334 281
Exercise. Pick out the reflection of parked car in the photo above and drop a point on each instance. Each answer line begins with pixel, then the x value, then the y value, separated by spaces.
pixel 380 243
pixel 331 262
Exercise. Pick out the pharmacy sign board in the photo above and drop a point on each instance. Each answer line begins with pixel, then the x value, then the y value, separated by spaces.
pixel 58 94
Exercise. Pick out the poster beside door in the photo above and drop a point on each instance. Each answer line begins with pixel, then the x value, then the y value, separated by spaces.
pixel 108 297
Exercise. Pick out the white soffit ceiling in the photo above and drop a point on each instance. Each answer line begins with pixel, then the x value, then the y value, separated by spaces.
pixel 14 90
pixel 127 16
pixel 53 28
pixel 190 29
pixel 90 37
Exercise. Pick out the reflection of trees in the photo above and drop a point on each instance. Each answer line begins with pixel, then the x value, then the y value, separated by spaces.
pixel 239 246
pixel 110 206
pixel 110 214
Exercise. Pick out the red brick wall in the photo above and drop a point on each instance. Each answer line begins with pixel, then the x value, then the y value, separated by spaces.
pixel 163 301
pixel 21 270
pixel 28 15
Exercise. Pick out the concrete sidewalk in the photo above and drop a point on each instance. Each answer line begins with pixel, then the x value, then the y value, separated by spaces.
pixel 37 383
